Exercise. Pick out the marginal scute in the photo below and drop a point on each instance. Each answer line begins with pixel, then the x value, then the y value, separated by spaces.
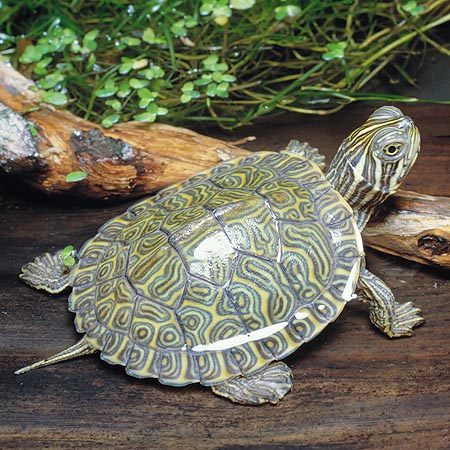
pixel 292 164
pixel 309 326
pixel 178 368
pixel 96 335
pixel 251 356
pixel 343 271
pixel 283 342
pixel 117 349
pixel 84 275
pixel 256 159
pixel 196 194
pixel 243 177
pixel 93 249
pixel 217 276
pixel 82 298
pixel 143 362
pixel 141 207
pixel 134 231
pixel 84 321
pixel 114 226
pixel 216 367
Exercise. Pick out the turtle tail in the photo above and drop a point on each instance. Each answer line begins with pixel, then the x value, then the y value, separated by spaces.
pixel 79 349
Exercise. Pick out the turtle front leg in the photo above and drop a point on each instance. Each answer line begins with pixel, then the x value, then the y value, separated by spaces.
pixel 50 271
pixel 307 151
pixel 394 319
pixel 270 384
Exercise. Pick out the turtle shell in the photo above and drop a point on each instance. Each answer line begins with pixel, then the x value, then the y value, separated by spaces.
pixel 221 274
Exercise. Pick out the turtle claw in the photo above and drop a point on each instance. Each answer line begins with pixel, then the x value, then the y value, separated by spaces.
pixel 406 316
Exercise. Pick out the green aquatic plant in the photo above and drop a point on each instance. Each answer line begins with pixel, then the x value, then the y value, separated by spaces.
pixel 224 61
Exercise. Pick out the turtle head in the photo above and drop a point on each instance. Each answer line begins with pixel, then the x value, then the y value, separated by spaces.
pixel 373 161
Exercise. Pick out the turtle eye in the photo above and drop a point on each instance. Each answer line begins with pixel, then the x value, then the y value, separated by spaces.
pixel 392 149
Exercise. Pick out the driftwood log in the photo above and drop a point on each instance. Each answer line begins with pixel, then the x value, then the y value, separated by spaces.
pixel 131 159
pixel 414 226
pixel 42 145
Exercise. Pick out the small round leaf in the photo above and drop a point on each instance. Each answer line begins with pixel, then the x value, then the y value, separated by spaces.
pixel 73 177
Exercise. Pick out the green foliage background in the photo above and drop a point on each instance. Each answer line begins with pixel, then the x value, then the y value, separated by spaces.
pixel 226 61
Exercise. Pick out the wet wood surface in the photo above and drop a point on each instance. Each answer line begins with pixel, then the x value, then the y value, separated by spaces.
pixel 353 387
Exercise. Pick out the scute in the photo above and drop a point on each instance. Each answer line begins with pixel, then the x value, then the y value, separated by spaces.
pixel 307 258
pixel 210 318
pixel 288 200
pixel 261 293
pixel 191 195
pixel 250 227
pixel 205 249
pixel 218 275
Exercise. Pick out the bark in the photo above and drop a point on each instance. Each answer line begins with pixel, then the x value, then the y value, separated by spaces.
pixel 128 160
pixel 413 226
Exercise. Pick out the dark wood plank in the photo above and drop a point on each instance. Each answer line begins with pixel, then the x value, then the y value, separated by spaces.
pixel 354 388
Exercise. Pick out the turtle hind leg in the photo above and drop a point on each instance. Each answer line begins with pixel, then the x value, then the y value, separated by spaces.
pixel 392 318
pixel 79 349
pixel 270 384
pixel 47 272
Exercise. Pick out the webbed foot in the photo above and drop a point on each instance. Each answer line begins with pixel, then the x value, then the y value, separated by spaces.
pixel 47 272
pixel 406 316
pixel 270 384
pixel 392 318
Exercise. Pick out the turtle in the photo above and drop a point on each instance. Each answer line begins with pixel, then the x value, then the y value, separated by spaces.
pixel 218 278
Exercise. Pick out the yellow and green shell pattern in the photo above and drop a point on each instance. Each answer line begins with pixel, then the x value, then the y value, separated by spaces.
pixel 221 274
